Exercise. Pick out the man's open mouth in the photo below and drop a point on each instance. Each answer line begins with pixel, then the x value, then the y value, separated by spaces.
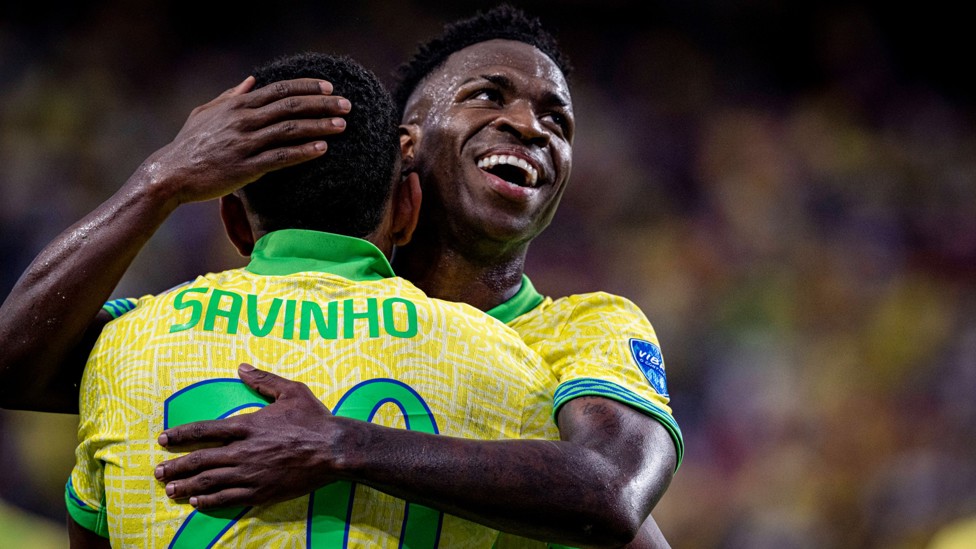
pixel 510 168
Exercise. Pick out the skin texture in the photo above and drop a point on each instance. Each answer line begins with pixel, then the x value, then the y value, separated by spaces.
pixel 243 227
pixel 52 316
pixel 497 97
pixel 276 453
pixel 598 484
pixel 595 487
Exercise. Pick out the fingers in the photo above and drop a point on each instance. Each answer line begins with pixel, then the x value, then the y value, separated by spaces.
pixel 202 464
pixel 265 383
pixel 283 157
pixel 297 139
pixel 242 88
pixel 289 89
pixel 200 434
pixel 212 489
pixel 328 109
pixel 296 99
pixel 231 497
pixel 286 136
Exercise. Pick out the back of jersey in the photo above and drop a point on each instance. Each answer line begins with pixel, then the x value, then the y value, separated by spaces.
pixel 373 350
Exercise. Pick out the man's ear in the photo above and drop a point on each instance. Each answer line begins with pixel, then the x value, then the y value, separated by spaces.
pixel 409 139
pixel 236 224
pixel 406 209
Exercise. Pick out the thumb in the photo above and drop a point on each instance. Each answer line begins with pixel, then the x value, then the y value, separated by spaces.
pixel 265 383
pixel 242 88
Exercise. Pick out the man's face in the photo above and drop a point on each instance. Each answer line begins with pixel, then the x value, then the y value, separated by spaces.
pixel 495 144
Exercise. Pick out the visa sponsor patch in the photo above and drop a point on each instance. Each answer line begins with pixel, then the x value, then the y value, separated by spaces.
pixel 648 358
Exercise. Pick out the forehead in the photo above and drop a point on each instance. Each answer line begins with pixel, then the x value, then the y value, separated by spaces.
pixel 518 60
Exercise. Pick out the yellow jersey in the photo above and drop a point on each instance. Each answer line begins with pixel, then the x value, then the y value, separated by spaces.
pixel 596 344
pixel 317 308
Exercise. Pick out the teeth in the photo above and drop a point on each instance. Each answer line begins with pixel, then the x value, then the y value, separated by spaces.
pixel 496 159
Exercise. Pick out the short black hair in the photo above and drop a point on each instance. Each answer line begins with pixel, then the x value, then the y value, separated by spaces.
pixel 501 22
pixel 345 190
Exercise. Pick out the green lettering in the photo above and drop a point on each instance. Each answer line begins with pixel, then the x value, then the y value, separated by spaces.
pixel 258 329
pixel 196 308
pixel 349 317
pixel 288 326
pixel 389 319
pixel 232 314
pixel 312 313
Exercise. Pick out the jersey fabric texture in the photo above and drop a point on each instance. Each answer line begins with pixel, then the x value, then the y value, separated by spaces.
pixel 317 308
pixel 596 344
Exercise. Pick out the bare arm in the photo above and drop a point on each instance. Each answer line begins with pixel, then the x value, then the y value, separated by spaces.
pixel 50 319
pixel 596 487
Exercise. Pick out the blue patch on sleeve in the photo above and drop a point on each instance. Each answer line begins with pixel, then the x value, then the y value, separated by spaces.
pixel 648 357
pixel 118 307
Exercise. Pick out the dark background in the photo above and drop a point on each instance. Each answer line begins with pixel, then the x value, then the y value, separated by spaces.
pixel 787 189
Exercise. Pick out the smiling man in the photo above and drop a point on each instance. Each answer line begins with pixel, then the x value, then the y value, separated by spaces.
pixel 490 133
pixel 488 126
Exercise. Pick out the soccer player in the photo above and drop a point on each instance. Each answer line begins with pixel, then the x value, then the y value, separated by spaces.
pixel 488 124
pixel 498 82
pixel 318 301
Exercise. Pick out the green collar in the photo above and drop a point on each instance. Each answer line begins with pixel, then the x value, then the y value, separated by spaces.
pixel 291 251
pixel 526 299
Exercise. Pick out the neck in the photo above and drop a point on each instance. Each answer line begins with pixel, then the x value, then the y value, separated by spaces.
pixel 448 274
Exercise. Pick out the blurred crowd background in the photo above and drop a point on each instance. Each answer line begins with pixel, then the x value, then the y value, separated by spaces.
pixel 787 189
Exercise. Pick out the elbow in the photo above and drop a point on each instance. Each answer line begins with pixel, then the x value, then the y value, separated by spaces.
pixel 623 515
pixel 609 536
pixel 617 523
pixel 620 531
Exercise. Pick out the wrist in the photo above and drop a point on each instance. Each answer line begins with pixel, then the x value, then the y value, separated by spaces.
pixel 350 448
pixel 151 190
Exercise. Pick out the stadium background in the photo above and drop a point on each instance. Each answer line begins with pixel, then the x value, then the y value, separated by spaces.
pixel 788 190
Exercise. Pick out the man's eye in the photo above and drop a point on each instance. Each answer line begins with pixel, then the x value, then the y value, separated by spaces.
pixel 559 120
pixel 488 95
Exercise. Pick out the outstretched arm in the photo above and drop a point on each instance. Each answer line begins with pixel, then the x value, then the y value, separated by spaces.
pixel 50 319
pixel 596 487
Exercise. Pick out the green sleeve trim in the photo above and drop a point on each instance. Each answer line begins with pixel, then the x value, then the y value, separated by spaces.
pixel 118 307
pixel 526 299
pixel 86 516
pixel 598 387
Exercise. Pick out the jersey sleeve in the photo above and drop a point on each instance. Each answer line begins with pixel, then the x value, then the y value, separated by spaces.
pixel 605 346
pixel 122 305
pixel 85 489
pixel 118 307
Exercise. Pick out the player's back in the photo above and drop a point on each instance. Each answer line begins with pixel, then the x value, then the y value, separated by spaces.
pixel 377 350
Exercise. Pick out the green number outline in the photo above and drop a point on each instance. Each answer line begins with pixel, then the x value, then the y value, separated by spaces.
pixel 421 525
pixel 219 398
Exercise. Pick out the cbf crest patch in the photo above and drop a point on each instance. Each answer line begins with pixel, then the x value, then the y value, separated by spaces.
pixel 648 358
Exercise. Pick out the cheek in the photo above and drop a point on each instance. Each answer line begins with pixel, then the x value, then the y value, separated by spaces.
pixel 438 138
pixel 563 159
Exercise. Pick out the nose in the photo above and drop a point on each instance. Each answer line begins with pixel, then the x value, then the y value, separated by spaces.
pixel 520 120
